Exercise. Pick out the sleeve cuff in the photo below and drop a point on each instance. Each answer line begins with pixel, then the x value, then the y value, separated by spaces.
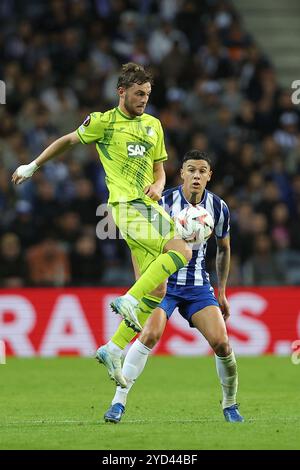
pixel 80 138
pixel 161 159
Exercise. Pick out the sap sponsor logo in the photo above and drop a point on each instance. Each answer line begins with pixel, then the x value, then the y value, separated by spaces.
pixel 135 150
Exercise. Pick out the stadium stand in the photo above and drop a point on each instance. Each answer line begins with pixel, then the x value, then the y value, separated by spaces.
pixel 215 90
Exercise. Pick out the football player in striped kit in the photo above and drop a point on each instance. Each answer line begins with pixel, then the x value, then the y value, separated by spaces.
pixel 190 290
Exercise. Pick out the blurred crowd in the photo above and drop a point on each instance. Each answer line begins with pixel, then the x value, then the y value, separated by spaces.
pixel 215 90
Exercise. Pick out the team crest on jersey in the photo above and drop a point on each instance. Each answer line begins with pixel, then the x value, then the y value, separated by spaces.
pixel 150 131
pixel 135 150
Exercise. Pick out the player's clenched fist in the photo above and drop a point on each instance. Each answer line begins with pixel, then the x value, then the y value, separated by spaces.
pixel 154 191
pixel 24 172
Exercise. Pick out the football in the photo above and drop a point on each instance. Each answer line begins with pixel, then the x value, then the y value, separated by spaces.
pixel 194 224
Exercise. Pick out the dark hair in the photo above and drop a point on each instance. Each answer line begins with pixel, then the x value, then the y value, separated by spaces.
pixel 133 73
pixel 196 155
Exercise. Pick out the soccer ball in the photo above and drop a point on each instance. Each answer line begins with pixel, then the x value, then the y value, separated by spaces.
pixel 194 224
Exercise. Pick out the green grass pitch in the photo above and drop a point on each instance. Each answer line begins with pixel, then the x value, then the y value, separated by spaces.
pixel 59 404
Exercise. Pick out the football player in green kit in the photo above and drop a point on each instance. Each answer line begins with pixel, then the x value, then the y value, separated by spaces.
pixel 131 149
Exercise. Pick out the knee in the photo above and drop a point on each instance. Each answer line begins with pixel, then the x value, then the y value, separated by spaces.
pixel 149 338
pixel 221 347
pixel 184 250
pixel 180 246
pixel 160 291
pixel 187 253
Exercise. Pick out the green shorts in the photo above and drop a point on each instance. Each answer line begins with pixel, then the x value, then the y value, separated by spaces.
pixel 145 226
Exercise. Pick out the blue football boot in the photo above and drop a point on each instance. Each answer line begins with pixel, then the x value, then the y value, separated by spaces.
pixel 114 413
pixel 232 414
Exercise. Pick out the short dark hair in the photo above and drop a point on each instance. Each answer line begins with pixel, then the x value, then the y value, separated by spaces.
pixel 196 155
pixel 133 73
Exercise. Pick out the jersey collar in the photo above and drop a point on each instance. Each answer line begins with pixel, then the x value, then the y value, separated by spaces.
pixel 136 118
pixel 202 200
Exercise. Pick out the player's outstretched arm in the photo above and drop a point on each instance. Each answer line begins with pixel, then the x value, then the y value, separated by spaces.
pixel 57 147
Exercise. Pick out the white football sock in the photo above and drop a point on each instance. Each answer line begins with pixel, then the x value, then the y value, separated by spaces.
pixel 133 366
pixel 227 372
pixel 114 349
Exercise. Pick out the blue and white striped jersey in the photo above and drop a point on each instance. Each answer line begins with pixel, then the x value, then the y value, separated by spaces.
pixel 194 273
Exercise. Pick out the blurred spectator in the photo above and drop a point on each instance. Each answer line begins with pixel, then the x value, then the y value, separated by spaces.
pixel 236 40
pixel 87 267
pixel 264 116
pixel 24 225
pixel 101 57
pixel 68 228
pixel 218 132
pixel 294 228
pixel 242 231
pixel 259 224
pixel 286 136
pixel 48 264
pixel 162 39
pixel 45 204
pixel 188 20
pixel 270 151
pixel 280 223
pixel 175 66
pixel 231 97
pixel 247 163
pixel 284 104
pixel 264 268
pixel 140 54
pixel 213 60
pixel 203 102
pixel 13 272
pixel 85 202
pixel 6 195
pixel 126 34
pixel 270 198
pixel 174 120
pixel 246 120
pixel 252 191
